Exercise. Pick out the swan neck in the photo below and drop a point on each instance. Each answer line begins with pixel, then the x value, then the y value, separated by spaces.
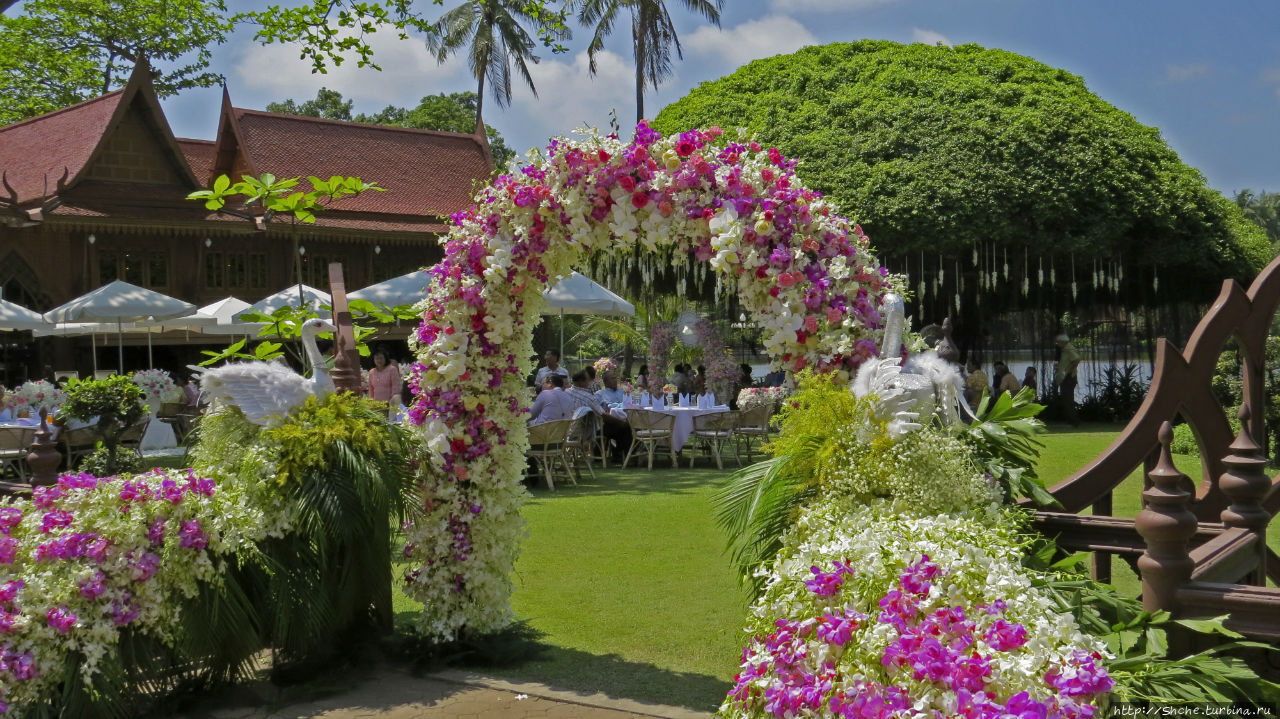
pixel 318 366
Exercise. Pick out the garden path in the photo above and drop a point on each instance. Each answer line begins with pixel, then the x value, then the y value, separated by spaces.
pixel 450 694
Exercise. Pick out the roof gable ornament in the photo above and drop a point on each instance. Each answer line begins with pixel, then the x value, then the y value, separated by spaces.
pixel 33 215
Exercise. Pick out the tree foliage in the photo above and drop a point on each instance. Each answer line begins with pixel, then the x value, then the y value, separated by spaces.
pixel 940 150
pixel 59 52
pixel 1263 209
pixel 455 112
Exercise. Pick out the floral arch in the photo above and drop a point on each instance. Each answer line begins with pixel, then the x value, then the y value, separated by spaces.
pixel 805 273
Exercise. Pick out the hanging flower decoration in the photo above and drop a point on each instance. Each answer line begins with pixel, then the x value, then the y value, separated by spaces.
pixel 804 272
pixel 722 371
pixel 662 337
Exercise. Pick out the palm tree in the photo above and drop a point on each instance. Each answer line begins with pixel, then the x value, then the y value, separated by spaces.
pixel 496 44
pixel 652 36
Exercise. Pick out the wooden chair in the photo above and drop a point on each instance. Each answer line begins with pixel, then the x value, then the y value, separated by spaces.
pixel 104 373
pixel 753 425
pixel 713 431
pixel 78 442
pixel 61 374
pixel 651 429
pixel 174 415
pixel 579 442
pixel 546 447
pixel 15 444
pixel 131 437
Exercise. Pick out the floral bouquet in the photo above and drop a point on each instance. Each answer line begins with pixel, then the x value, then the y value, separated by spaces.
pixel 751 397
pixel 605 364
pixel 157 386
pixel 36 394
pixel 627 387
pixel 669 388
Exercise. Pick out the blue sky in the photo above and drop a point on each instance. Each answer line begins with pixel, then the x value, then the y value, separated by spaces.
pixel 1207 74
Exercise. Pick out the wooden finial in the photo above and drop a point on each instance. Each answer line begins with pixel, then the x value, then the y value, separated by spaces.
pixel 1167 524
pixel 44 457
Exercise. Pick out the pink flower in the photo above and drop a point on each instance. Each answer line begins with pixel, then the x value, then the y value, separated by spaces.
pixel 61 619
pixel 834 315
pixel 786 280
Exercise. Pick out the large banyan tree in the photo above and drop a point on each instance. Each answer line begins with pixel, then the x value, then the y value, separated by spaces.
pixel 999 184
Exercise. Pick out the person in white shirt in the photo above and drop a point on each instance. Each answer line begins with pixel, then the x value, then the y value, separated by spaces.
pixel 611 394
pixel 552 403
pixel 552 366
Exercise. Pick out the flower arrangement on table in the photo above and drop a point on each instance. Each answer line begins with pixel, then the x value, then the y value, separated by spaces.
pixel 669 389
pixel 750 397
pixel 157 387
pixel 805 273
pixel 605 364
pixel 34 395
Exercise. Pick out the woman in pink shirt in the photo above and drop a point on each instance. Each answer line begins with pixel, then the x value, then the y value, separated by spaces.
pixel 384 380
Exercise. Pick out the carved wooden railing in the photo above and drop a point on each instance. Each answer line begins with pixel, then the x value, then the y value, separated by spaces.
pixel 1200 550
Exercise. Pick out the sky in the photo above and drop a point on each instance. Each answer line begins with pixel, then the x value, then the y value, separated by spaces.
pixel 1206 74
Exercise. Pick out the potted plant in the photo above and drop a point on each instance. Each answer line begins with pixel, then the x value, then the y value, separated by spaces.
pixel 116 403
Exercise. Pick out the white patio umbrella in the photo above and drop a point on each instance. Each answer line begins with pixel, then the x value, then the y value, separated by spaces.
pixel 120 302
pixel 16 317
pixel 221 318
pixel 293 296
pixel 578 295
pixel 403 290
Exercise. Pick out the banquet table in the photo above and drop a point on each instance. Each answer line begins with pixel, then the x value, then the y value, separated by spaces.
pixel 684 420
pixel 31 423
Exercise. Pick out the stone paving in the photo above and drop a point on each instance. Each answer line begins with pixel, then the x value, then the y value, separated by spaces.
pixel 395 694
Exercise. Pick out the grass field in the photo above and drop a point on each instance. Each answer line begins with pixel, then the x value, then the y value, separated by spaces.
pixel 625 586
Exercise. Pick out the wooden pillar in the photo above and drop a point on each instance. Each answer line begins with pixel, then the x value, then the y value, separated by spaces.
pixel 346 362
pixel 1245 483
pixel 1167 524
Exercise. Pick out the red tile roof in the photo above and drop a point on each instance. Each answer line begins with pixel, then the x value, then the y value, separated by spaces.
pixel 41 147
pixel 425 172
pixel 200 154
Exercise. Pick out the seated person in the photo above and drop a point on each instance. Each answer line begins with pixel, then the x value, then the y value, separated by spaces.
pixel 5 414
pixel 582 396
pixel 611 394
pixel 553 402
pixel 593 384
pixel 616 429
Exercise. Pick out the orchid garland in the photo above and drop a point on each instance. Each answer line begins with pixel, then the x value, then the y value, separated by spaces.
pixel 804 272
pixel 722 371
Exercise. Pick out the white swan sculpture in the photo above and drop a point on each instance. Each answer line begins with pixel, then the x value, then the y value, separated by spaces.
pixel 266 392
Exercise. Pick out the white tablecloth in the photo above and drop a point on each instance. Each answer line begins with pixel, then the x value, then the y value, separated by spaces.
pixel 33 424
pixel 159 435
pixel 684 420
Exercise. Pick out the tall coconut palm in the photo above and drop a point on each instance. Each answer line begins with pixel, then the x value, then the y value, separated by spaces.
pixel 653 35
pixel 496 43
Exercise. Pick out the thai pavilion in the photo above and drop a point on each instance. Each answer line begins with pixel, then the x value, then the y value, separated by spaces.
pixel 96 192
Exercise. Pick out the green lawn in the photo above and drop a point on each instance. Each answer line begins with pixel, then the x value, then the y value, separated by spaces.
pixel 625 584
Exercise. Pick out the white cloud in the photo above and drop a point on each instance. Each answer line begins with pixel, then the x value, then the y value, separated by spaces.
pixel 929 37
pixel 408 73
pixel 752 40
pixel 824 5
pixel 569 97
pixel 1183 73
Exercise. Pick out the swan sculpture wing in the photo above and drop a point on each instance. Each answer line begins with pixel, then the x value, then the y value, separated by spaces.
pixel 266 392
pixel 263 391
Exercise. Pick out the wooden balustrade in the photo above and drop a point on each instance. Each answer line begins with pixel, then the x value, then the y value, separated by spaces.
pixel 1201 550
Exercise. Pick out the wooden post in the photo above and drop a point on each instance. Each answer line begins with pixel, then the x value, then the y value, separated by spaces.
pixel 1167 524
pixel 44 458
pixel 1245 483
pixel 1102 560
pixel 346 360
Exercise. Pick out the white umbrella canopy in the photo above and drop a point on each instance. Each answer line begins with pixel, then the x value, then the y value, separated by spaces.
pixel 579 295
pixel 291 297
pixel 120 302
pixel 403 290
pixel 220 318
pixel 16 317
